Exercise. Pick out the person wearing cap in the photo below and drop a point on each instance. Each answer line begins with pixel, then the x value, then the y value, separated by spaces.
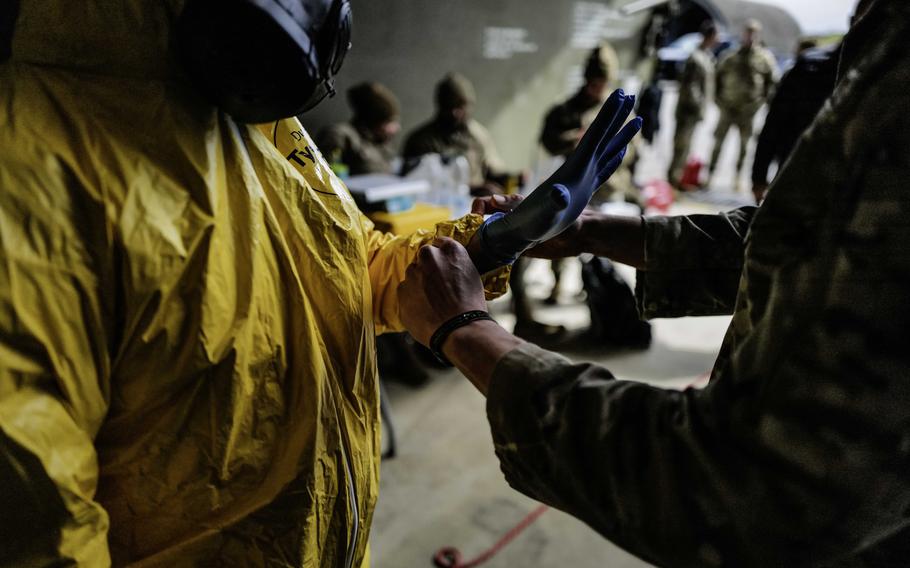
pixel 454 132
pixel 364 143
pixel 565 124
pixel 696 90
pixel 744 82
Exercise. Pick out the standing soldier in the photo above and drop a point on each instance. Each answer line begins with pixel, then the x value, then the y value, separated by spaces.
pixel 800 96
pixel 744 82
pixel 566 123
pixel 696 90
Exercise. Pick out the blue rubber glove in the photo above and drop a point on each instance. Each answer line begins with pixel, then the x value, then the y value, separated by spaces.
pixel 555 204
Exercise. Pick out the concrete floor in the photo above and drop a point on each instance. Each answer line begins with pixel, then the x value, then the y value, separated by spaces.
pixel 445 488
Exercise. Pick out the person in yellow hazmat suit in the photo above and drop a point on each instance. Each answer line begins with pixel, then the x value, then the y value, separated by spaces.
pixel 189 296
pixel 188 302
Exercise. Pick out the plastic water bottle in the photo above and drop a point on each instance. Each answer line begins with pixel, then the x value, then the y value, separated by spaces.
pixel 430 168
pixel 461 186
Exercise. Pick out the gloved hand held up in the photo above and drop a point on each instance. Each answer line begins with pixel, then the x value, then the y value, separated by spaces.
pixel 556 203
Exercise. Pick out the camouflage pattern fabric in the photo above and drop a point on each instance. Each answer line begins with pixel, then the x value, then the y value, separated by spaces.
pixel 696 90
pixel 682 142
pixel 743 121
pixel 745 79
pixel 744 82
pixel 696 84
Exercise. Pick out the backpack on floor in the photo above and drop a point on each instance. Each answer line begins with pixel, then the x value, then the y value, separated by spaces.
pixel 614 314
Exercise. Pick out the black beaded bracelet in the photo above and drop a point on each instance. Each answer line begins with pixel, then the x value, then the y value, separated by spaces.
pixel 445 330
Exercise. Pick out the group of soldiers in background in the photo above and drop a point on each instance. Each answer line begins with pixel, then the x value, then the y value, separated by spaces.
pixel 364 145
pixel 741 83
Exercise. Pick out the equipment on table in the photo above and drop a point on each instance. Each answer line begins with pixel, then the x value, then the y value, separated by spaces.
pixel 387 193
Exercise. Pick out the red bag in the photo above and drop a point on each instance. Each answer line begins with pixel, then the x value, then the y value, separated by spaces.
pixel 691 173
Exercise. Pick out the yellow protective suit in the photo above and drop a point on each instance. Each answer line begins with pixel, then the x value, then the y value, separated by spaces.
pixel 187 314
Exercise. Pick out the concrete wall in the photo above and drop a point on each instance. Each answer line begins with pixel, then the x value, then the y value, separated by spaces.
pixel 522 56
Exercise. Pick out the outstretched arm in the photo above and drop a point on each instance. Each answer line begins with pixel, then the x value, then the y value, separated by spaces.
pixel 768 466
pixel 688 265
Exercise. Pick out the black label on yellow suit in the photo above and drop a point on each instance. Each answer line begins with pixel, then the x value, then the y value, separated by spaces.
pixel 298 148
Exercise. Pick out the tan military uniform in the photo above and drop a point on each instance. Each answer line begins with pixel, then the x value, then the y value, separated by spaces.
pixel 798 451
pixel 356 149
pixel 696 90
pixel 744 80
pixel 473 142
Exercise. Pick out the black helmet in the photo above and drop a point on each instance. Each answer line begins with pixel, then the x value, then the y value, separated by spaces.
pixel 263 60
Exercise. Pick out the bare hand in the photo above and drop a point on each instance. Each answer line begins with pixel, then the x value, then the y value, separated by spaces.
pixel 440 284
pixel 567 243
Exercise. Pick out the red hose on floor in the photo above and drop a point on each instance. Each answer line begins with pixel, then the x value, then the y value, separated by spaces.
pixel 450 557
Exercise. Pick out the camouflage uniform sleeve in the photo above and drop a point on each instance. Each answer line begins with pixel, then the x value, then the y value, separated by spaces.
pixel 712 478
pixel 644 467
pixel 692 264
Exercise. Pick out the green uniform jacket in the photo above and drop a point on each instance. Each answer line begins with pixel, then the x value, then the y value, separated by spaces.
pixel 745 80
pixel 473 141
pixel 696 86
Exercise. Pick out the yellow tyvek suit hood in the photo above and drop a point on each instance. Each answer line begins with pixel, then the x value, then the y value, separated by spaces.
pixel 187 313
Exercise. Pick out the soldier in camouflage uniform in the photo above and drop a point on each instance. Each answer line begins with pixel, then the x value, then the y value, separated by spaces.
pixel 566 123
pixel 364 144
pixel 696 90
pixel 798 451
pixel 454 132
pixel 744 81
